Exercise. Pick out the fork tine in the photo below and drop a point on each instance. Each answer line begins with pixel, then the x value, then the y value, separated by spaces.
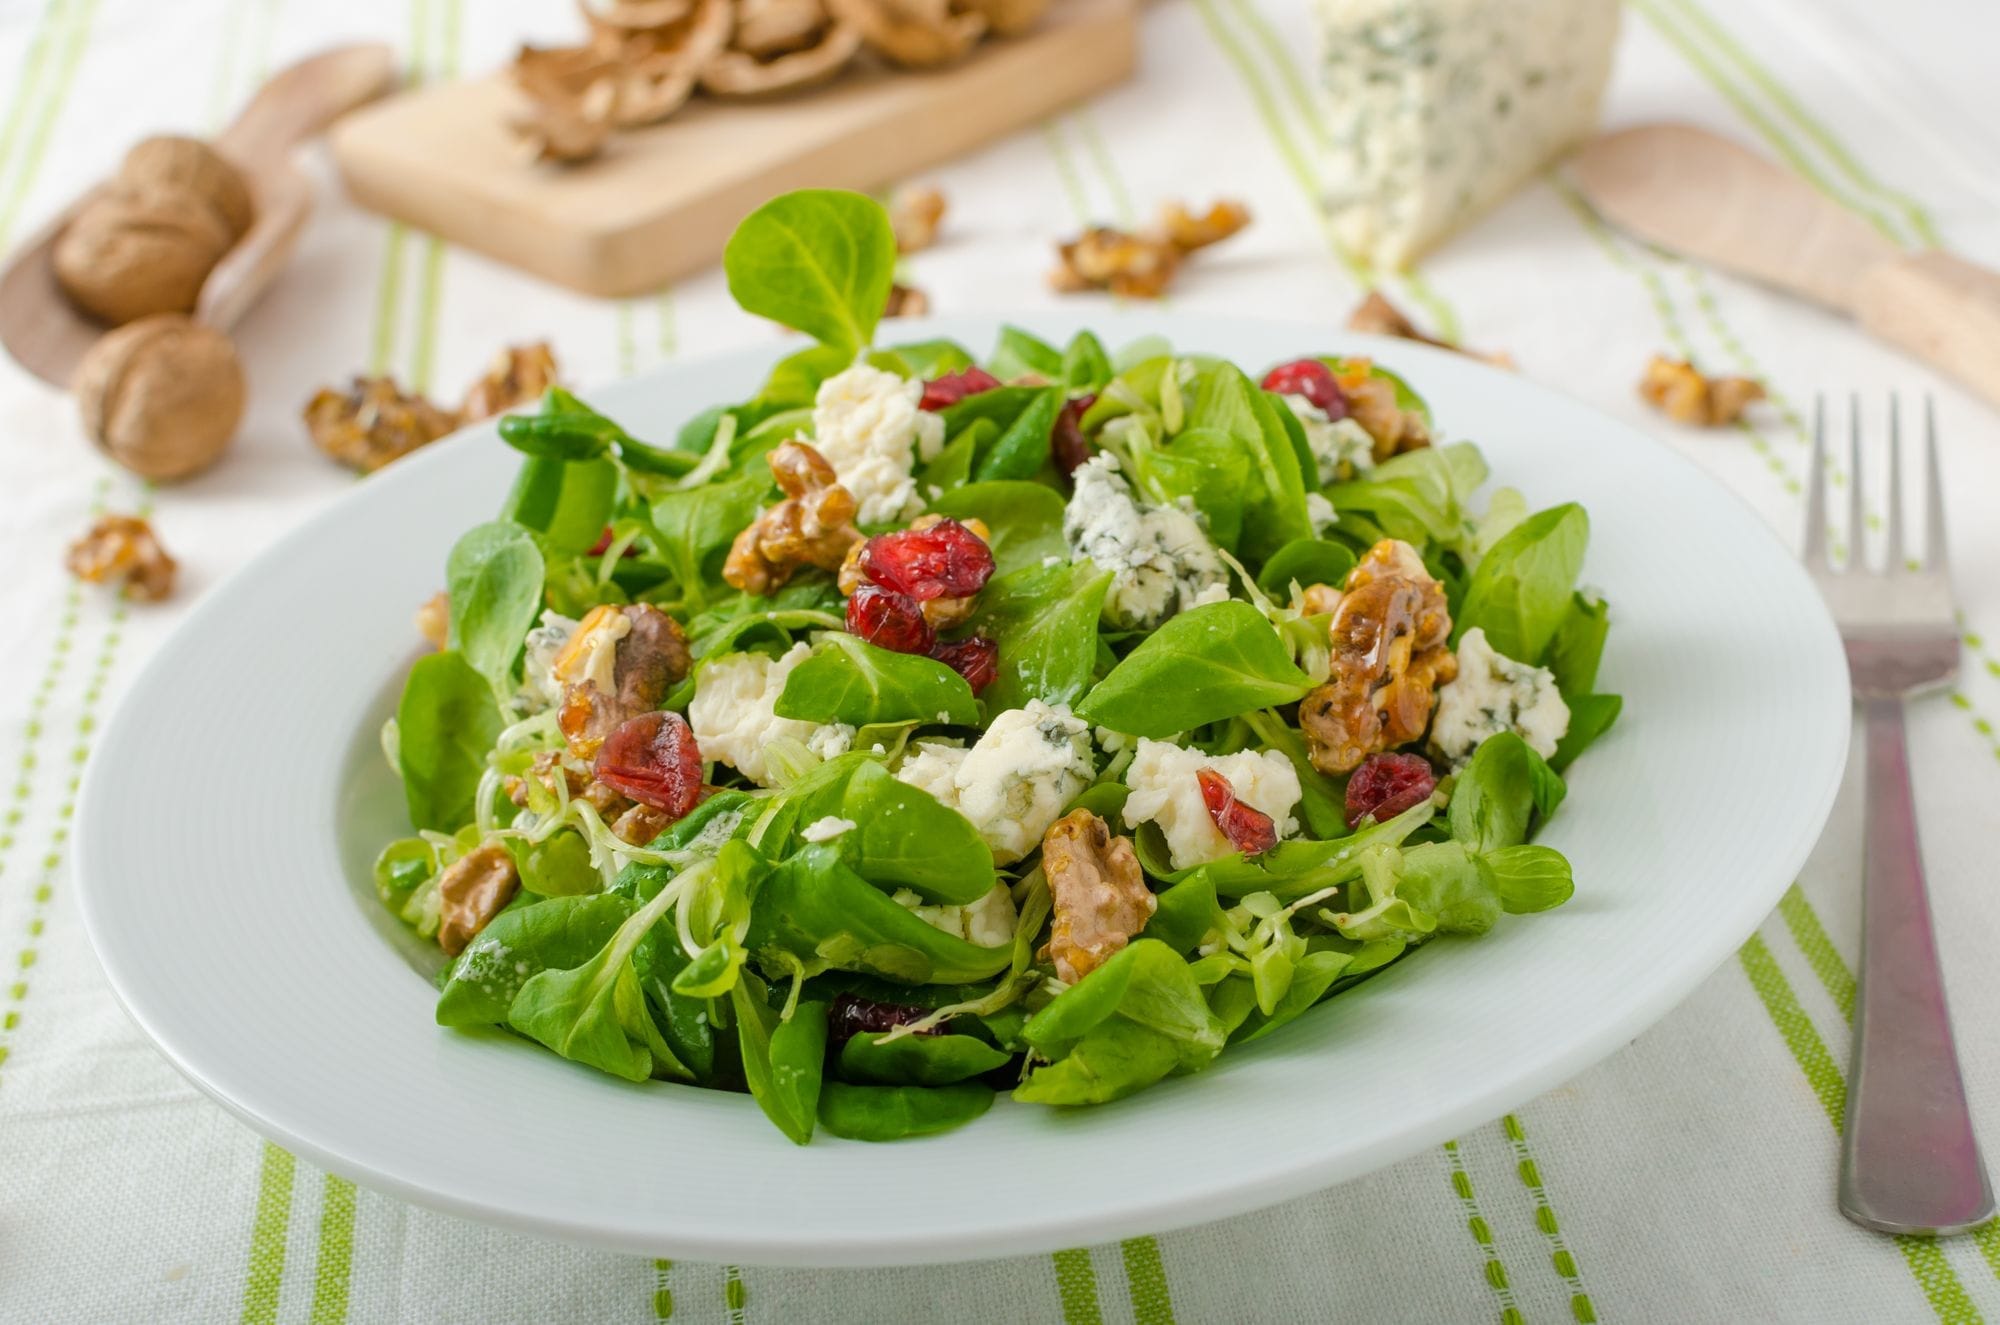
pixel 1897 558
pixel 1857 529
pixel 1814 552
pixel 1935 559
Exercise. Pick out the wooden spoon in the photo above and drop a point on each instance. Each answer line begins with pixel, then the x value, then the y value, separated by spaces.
pixel 48 335
pixel 1702 195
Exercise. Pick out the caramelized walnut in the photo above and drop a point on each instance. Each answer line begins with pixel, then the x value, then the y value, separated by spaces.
pixel 914 214
pixel 1188 232
pixel 620 663
pixel 124 549
pixel 373 423
pixel 434 620
pixel 1376 316
pixel 471 891
pixel 812 526
pixel 516 377
pixel 1681 392
pixel 906 301
pixel 1371 402
pixel 578 783
pixel 1100 895
pixel 1390 636
pixel 1142 264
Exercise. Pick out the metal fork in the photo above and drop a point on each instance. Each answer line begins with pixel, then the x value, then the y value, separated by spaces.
pixel 1910 1163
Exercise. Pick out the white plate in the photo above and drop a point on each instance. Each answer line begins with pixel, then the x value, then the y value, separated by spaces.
pixel 233 806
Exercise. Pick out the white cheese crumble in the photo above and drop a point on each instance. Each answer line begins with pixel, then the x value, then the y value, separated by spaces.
pixel 1492 693
pixel 1014 782
pixel 1160 559
pixel 539 687
pixel 733 713
pixel 1437 109
pixel 1166 791
pixel 591 654
pixel 988 922
pixel 867 425
pixel 826 829
pixel 1320 512
pixel 1342 447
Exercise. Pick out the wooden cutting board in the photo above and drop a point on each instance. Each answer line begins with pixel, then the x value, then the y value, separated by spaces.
pixel 661 201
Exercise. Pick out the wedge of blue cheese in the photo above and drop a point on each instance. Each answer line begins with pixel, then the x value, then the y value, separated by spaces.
pixel 1436 110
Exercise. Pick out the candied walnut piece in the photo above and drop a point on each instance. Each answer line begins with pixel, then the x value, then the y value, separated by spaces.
pixel 649 657
pixel 1100 895
pixel 914 214
pixel 654 760
pixel 1141 265
pixel 1390 642
pixel 1681 392
pixel 471 891
pixel 123 548
pixel 1376 316
pixel 640 824
pixel 373 423
pixel 608 801
pixel 1188 232
pixel 517 376
pixel 1372 403
pixel 1248 828
pixel 1386 785
pixel 434 620
pixel 812 526
pixel 1318 599
pixel 906 301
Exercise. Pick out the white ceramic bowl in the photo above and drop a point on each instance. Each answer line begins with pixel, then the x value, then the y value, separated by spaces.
pixel 230 814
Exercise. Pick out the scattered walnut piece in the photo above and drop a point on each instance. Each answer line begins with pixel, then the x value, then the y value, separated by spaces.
pixel 434 620
pixel 640 824
pixel 906 301
pixel 914 214
pixel 1142 264
pixel 1318 599
pixel 373 423
pixel 1681 392
pixel 1390 635
pixel 567 129
pixel 124 549
pixel 517 376
pixel 1376 316
pixel 912 33
pixel 1007 18
pixel 647 656
pixel 1099 893
pixel 471 891
pixel 1372 403
pixel 812 526
pixel 640 65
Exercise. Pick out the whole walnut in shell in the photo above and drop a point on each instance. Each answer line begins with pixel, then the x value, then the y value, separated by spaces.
pixel 163 395
pixel 130 253
pixel 168 163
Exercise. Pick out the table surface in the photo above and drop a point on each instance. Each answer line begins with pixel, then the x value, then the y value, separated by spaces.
pixel 1688 1177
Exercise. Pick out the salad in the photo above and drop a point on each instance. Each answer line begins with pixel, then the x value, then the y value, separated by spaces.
pixel 927 726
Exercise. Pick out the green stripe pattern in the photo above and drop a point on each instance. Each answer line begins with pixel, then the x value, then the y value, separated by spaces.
pixel 334 1267
pixel 663 1292
pixel 1146 1281
pixel 1076 1287
pixel 48 72
pixel 1482 1235
pixel 1560 1255
pixel 266 1277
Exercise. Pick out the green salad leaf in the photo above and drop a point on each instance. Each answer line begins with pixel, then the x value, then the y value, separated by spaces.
pixel 445 724
pixel 846 679
pixel 1209 663
pixel 817 260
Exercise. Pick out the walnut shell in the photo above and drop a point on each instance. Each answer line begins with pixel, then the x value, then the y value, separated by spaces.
pixel 189 165
pixel 131 253
pixel 163 395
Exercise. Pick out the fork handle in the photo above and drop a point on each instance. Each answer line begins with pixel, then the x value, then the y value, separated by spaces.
pixel 1911 1163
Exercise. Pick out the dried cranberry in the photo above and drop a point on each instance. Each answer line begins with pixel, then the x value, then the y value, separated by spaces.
pixel 975 658
pixel 1312 379
pixel 852 1015
pixel 888 620
pixel 943 560
pixel 653 759
pixel 603 545
pixel 954 387
pixel 1248 828
pixel 1386 785
pixel 1066 442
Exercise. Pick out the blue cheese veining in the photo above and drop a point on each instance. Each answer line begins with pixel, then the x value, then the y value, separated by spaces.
pixel 1436 110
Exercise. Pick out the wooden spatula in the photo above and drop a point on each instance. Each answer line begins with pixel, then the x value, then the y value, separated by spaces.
pixel 1699 194
pixel 47 334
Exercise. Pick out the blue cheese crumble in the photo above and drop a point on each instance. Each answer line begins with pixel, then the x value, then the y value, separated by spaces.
pixel 734 713
pixel 1166 791
pixel 1493 693
pixel 1160 559
pixel 867 424
pixel 1015 780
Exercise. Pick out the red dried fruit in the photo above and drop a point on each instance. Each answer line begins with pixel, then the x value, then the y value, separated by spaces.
pixel 1387 784
pixel 1312 379
pixel 1248 828
pixel 943 560
pixel 954 387
pixel 888 620
pixel 853 1015
pixel 603 545
pixel 975 658
pixel 1066 444
pixel 653 759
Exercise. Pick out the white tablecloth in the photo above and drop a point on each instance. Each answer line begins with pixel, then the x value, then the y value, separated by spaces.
pixel 1688 1177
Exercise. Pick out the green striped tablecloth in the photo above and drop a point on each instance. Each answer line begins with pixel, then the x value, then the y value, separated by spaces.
pixel 1688 1178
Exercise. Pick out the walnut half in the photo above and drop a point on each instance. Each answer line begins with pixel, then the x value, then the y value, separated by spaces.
pixel 1100 895
pixel 1391 636
pixel 471 891
pixel 123 548
pixel 1681 392
pixel 812 526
